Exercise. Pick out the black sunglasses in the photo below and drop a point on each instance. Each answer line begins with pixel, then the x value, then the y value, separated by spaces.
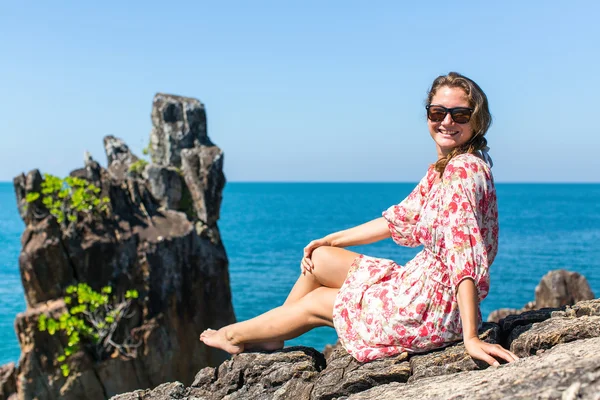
pixel 460 115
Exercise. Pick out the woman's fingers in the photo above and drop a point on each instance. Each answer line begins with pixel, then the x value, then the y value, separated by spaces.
pixel 484 351
pixel 306 265
pixel 501 352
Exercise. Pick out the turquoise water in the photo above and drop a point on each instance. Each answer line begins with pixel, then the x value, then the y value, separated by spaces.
pixel 266 225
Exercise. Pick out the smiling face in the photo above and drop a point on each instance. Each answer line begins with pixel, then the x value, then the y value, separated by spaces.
pixel 447 134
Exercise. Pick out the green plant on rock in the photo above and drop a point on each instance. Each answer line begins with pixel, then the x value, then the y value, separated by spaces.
pixel 138 166
pixel 92 319
pixel 70 198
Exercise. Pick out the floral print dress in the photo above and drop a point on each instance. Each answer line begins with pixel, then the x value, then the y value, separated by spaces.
pixel 383 309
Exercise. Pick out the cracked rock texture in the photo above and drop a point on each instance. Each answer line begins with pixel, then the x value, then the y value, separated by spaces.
pixel 560 360
pixel 159 237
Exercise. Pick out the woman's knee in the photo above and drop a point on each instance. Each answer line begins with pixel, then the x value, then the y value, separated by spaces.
pixel 321 255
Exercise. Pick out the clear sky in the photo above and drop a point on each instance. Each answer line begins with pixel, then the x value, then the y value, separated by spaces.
pixel 302 90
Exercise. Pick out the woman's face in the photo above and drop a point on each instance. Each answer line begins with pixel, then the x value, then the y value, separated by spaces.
pixel 448 134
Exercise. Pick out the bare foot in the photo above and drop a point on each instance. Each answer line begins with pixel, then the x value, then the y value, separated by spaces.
pixel 219 339
pixel 266 346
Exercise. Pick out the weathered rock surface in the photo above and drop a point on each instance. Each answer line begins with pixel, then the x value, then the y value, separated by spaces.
pixel 557 289
pixel 568 371
pixel 8 382
pixel 151 240
pixel 178 123
pixel 540 336
pixel 560 288
pixel 547 334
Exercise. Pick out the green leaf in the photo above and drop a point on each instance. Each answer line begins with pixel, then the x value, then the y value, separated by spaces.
pixel 107 289
pixel 42 322
pixel 61 358
pixel 131 294
pixel 51 326
pixel 65 370
pixel 32 196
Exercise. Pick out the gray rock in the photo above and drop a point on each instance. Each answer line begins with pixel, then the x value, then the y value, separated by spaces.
pixel 166 185
pixel 547 334
pixel 144 242
pixel 452 359
pixel 287 373
pixel 344 375
pixel 203 174
pixel 119 157
pixel 560 288
pixel 557 289
pixel 177 123
pixel 30 212
pixel 524 319
pixel 568 371
pixel 8 382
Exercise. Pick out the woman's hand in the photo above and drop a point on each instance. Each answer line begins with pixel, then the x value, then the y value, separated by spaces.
pixel 306 265
pixel 481 350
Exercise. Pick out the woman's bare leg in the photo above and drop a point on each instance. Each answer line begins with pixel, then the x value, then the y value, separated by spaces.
pixel 282 323
pixel 331 267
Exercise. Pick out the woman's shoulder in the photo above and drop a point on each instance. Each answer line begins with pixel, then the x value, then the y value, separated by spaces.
pixel 467 165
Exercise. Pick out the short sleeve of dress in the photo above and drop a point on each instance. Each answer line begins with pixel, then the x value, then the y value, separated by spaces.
pixel 468 190
pixel 402 218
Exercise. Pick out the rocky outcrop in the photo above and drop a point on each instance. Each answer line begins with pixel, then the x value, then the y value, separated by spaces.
pixel 159 237
pixel 560 352
pixel 568 371
pixel 557 288
pixel 8 382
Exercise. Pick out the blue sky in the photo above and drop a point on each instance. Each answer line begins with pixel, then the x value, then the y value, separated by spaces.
pixel 302 90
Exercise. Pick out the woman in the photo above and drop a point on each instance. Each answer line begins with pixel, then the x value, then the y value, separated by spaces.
pixel 377 307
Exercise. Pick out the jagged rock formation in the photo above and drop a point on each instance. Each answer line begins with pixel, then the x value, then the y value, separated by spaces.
pixel 560 350
pixel 8 382
pixel 557 288
pixel 160 238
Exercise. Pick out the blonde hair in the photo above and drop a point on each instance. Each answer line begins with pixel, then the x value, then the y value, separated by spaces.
pixel 481 119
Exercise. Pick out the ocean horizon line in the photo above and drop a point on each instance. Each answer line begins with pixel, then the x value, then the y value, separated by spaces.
pixel 400 182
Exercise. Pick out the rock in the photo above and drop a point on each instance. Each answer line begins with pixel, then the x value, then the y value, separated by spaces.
pixel 452 359
pixel 203 174
pixel 568 371
pixel 288 373
pixel 556 289
pixel 166 391
pixel 8 382
pixel 30 212
pixel 547 334
pixel 166 184
pixel 344 375
pixel 558 369
pixel 526 319
pixel 587 307
pixel 144 242
pixel 177 123
pixel 560 288
pixel 45 266
pixel 120 158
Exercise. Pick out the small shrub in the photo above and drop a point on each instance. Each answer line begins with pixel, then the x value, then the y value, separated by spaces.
pixel 138 166
pixel 70 198
pixel 92 318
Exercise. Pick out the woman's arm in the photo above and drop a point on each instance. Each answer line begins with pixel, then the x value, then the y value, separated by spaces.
pixel 468 304
pixel 369 232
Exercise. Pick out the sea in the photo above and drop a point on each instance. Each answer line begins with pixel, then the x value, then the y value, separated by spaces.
pixel 265 226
